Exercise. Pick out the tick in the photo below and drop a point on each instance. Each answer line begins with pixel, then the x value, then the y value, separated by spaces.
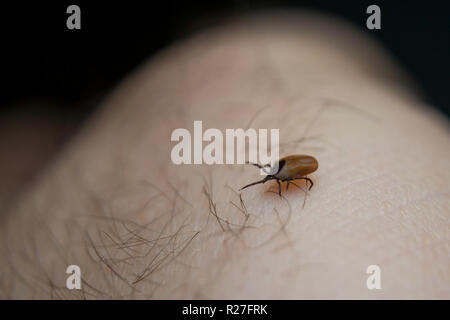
pixel 295 167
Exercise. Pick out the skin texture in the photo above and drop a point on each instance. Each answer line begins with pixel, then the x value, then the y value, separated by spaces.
pixel 139 226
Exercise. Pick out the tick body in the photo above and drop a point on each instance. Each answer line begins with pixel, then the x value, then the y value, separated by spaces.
pixel 295 167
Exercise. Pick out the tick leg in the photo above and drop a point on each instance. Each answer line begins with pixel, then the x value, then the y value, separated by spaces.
pixel 260 166
pixel 267 178
pixel 279 187
pixel 310 181
pixel 287 185
pixel 257 182
pixel 306 179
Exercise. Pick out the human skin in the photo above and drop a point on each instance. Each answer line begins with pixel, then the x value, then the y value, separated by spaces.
pixel 139 226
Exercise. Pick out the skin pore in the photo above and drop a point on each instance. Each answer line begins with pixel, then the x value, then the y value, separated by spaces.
pixel 140 226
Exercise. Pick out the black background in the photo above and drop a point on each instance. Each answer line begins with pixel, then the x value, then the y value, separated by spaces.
pixel 276 309
pixel 72 70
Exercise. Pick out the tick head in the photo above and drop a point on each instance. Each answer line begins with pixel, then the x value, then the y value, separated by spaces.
pixel 281 164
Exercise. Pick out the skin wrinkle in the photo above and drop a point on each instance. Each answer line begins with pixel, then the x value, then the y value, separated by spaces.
pixel 330 245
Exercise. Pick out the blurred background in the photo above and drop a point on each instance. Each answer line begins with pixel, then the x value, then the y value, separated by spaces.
pixel 54 78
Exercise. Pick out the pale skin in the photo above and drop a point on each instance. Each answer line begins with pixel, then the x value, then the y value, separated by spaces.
pixel 139 226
